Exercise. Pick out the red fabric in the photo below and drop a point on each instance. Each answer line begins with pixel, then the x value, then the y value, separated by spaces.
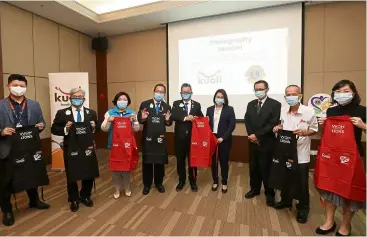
pixel 124 151
pixel 203 143
pixel 339 167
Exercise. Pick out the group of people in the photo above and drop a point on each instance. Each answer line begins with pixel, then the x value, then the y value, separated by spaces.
pixel 267 124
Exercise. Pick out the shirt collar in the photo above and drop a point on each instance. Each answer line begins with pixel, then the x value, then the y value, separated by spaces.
pixel 16 103
pixel 81 108
pixel 263 100
pixel 299 111
pixel 156 102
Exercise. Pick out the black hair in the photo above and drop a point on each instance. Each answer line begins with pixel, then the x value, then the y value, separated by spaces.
pixel 160 84
pixel 262 82
pixel 118 95
pixel 342 83
pixel 17 77
pixel 186 85
pixel 293 86
pixel 224 93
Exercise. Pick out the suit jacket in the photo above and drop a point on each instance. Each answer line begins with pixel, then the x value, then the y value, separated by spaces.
pixel 227 122
pixel 183 128
pixel 164 108
pixel 35 116
pixel 61 119
pixel 262 124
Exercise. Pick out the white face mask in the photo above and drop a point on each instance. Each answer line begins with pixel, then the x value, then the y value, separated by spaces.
pixel 17 90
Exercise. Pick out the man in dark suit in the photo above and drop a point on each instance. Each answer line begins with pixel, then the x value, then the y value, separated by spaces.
pixel 261 116
pixel 16 111
pixel 61 126
pixel 183 113
pixel 155 114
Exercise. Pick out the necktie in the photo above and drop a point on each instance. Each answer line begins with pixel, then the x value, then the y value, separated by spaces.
pixel 157 108
pixel 259 106
pixel 79 117
pixel 187 108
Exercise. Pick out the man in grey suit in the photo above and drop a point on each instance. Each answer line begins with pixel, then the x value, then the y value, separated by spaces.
pixel 16 111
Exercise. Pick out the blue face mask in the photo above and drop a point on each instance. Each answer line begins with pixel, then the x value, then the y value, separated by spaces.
pixel 77 102
pixel 122 104
pixel 158 96
pixel 219 101
pixel 292 100
pixel 343 98
pixel 186 96
pixel 260 94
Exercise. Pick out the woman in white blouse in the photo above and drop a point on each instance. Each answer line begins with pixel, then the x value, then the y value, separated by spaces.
pixel 222 121
pixel 121 102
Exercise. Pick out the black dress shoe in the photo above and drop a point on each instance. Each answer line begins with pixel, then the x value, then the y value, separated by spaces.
pixel 270 201
pixel 214 189
pixel 282 205
pixel 302 217
pixel 180 186
pixel 39 205
pixel 146 190
pixel 8 219
pixel 320 231
pixel 251 194
pixel 194 187
pixel 87 201
pixel 74 206
pixel 161 188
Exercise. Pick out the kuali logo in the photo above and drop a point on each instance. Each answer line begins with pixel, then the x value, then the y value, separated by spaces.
pixel 18 161
pixel 344 159
pixel 275 160
pixel 323 155
pixel 62 96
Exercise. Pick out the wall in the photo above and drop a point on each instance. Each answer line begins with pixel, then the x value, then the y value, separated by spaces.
pixel 34 47
pixel 335 37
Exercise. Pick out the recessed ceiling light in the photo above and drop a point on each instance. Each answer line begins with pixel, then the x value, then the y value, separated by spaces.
pixel 106 6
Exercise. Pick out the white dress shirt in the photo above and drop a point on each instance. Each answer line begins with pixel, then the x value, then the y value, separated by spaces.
pixel 75 115
pixel 216 118
pixel 304 119
pixel 262 101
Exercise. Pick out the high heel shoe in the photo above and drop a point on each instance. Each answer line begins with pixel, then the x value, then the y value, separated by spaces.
pixel 339 234
pixel 224 189
pixel 214 187
pixel 320 231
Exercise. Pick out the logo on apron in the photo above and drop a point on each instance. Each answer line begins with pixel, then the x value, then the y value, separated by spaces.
pixel 127 145
pixel 148 139
pixel 88 152
pixel 344 159
pixel 38 156
pixel 121 124
pixel 285 139
pixel 205 144
pixel 160 140
pixel 81 131
pixel 26 135
pixel 74 153
pixel 156 120
pixel 18 161
pixel 275 160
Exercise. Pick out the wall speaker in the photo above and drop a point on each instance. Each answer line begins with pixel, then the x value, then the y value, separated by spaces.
pixel 100 44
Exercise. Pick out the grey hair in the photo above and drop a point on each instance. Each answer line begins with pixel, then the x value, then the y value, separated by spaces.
pixel 299 88
pixel 77 89
pixel 186 85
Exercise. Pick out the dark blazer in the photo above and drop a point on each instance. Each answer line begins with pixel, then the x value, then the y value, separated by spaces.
pixel 183 128
pixel 35 116
pixel 227 121
pixel 164 108
pixel 61 118
pixel 262 124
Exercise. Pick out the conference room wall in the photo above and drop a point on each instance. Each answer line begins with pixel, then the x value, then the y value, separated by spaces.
pixel 335 49
pixel 34 46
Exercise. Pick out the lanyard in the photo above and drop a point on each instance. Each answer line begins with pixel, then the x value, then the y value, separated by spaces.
pixel 18 118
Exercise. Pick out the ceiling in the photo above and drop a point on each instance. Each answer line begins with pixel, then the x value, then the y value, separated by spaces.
pixel 110 17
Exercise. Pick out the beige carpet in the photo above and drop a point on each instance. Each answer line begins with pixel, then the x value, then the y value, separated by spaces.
pixel 171 213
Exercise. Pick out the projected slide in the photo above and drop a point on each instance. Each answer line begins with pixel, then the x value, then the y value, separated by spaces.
pixel 235 61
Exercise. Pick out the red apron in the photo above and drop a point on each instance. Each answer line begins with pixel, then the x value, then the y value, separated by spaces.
pixel 124 151
pixel 203 143
pixel 339 167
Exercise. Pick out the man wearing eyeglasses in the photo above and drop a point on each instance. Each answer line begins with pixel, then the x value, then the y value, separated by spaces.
pixel 261 116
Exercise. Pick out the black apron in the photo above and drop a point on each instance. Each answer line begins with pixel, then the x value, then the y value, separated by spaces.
pixel 26 166
pixel 80 159
pixel 285 169
pixel 154 140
